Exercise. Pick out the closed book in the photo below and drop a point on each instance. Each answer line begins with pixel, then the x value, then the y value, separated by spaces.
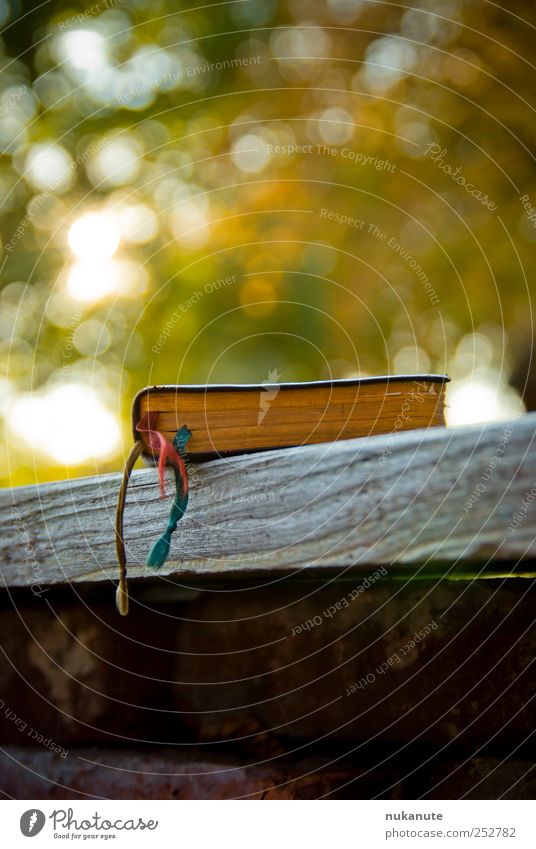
pixel 227 419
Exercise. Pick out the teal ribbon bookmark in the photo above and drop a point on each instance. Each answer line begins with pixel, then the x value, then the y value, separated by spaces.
pixel 159 553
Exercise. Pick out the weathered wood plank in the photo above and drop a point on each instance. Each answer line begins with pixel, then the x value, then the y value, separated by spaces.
pixel 436 663
pixel 439 663
pixel 425 496
pixel 175 774
pixel 171 774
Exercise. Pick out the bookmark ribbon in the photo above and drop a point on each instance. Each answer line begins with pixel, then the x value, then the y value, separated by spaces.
pixel 159 445
pixel 160 551
pixel 167 452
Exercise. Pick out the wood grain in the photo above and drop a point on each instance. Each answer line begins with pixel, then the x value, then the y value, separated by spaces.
pixel 389 500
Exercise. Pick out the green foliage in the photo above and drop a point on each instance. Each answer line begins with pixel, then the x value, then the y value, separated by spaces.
pixel 306 152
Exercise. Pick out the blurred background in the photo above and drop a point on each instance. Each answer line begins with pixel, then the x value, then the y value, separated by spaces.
pixel 258 190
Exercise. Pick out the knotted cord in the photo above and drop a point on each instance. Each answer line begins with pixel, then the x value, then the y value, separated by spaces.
pixel 173 453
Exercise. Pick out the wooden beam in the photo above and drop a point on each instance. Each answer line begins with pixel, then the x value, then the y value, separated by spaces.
pixel 179 773
pixel 170 773
pixel 433 496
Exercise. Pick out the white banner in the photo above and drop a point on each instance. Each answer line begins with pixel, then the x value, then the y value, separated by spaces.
pixel 313 825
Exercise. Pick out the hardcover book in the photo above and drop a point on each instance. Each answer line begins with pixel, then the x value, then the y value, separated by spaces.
pixel 231 419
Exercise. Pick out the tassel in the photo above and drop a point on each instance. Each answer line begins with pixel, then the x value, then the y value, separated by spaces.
pixel 159 553
pixel 158 444
pixel 167 452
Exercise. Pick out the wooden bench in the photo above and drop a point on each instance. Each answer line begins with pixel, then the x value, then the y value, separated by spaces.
pixel 352 619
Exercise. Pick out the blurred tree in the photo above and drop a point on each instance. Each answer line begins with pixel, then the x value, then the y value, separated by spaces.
pixel 211 194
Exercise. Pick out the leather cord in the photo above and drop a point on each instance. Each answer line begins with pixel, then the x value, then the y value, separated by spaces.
pixel 121 595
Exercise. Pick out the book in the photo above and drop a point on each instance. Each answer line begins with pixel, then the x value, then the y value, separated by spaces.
pixel 232 419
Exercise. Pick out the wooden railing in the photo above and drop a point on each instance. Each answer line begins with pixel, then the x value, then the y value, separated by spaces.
pixel 416 500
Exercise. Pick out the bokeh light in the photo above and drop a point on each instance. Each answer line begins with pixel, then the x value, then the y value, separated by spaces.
pixel 474 401
pixel 94 236
pixel 68 423
pixel 49 167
